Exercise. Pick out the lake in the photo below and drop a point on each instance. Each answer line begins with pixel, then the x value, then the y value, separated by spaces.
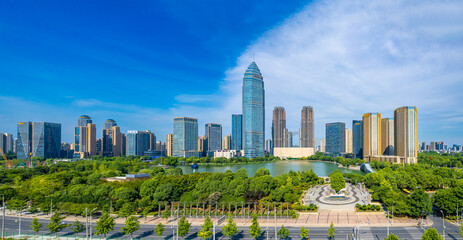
pixel 276 168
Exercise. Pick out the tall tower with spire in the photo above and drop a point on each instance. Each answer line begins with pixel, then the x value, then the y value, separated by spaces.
pixel 253 112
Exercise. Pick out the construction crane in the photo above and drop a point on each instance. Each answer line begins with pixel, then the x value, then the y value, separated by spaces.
pixel 8 163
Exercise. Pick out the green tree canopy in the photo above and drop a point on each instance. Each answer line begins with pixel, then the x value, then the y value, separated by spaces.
pixel 254 229
pixel 229 229
pixel 131 225
pixel 55 224
pixel 77 227
pixel 391 237
pixel 105 224
pixel 337 181
pixel 206 229
pixel 331 231
pixel 36 225
pixel 283 233
pixel 420 204
pixel 183 227
pixel 304 233
pixel 431 234
pixel 159 229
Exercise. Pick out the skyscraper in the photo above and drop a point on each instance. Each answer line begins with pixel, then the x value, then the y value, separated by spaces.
pixel 348 140
pixel 387 136
pixel 111 139
pixel 6 142
pixel 39 139
pixel 169 144
pixel 213 133
pixel 202 147
pixel 406 133
pixel 322 145
pixel 83 120
pixel 138 142
pixel 226 143
pixel 185 137
pixel 357 138
pixel 85 137
pixel 253 112
pixel 279 127
pixel 152 140
pixel 237 132
pixel 307 127
pixel 109 124
pixel 335 138
pixel 269 146
pixel 371 134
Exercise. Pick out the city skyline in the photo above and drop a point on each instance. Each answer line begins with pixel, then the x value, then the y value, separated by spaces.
pixel 340 87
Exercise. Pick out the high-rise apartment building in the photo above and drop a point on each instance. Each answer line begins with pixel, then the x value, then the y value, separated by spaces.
pixel 7 142
pixel 288 139
pixel 348 140
pixel 335 138
pixel 322 145
pixel 406 133
pixel 387 136
pixel 213 133
pixel 39 139
pixel 424 147
pixel 371 134
pixel 138 142
pixel 253 112
pixel 152 140
pixel 169 144
pixel 226 142
pixel 269 146
pixel 185 137
pixel 357 138
pixel 85 137
pixel 279 131
pixel 307 127
pixel 109 124
pixel 237 132
pixel 111 139
pixel 202 147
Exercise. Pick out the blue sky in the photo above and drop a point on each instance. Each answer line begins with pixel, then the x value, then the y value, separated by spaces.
pixel 144 62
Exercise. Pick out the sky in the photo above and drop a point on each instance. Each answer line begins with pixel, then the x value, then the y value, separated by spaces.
pixel 142 63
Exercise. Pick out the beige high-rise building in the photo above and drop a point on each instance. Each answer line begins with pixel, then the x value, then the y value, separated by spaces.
pixel 91 139
pixel 170 144
pixel 406 133
pixel 117 141
pixel 371 134
pixel 322 145
pixel 307 127
pixel 387 136
pixel 202 143
pixel 152 140
pixel 279 127
pixel 226 142
pixel 348 140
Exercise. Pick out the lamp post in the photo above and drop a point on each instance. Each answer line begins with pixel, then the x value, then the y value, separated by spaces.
pixel 275 213
pixel 266 229
pixel 356 229
pixel 87 223
pixel 393 202
pixel 443 225
pixel 3 218
pixel 387 223
pixel 176 212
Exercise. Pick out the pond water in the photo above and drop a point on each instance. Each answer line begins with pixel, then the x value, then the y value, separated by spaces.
pixel 276 168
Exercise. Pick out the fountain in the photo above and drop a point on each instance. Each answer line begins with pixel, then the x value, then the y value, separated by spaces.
pixel 342 195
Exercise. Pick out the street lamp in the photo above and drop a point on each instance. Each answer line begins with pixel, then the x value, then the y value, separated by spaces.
pixel 393 202
pixel 3 217
pixel 387 223
pixel 86 221
pixel 356 229
pixel 443 225
pixel 266 229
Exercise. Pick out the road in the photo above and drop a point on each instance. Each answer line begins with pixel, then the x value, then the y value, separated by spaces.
pixel 146 231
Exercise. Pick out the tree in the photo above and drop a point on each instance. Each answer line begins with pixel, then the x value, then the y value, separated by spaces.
pixel 36 225
pixel 105 224
pixel 254 229
pixel 229 229
pixel 126 210
pixel 431 234
pixel 77 227
pixel 55 224
pixel 206 229
pixel 460 227
pixel 16 204
pixel 391 237
pixel 183 227
pixel 331 231
pixel 304 233
pixel 420 204
pixel 337 181
pixel 166 214
pixel 131 225
pixel 159 229
pixel 283 233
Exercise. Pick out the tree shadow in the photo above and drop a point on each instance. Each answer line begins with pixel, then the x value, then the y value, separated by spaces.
pixel 116 235
pixel 145 234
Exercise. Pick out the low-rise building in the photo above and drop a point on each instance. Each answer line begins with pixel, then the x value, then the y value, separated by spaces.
pixel 293 152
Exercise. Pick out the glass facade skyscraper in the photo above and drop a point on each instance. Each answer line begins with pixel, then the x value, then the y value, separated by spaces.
pixel 39 139
pixel 237 132
pixel 213 133
pixel 335 138
pixel 357 138
pixel 137 143
pixel 253 112
pixel 185 140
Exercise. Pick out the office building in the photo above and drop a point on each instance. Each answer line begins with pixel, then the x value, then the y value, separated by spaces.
pixel 226 142
pixel 307 127
pixel 237 132
pixel 406 133
pixel 335 138
pixel 279 131
pixel 253 112
pixel 322 145
pixel 123 145
pixel 424 147
pixel 6 143
pixel 269 146
pixel 387 136
pixel 39 139
pixel 185 137
pixel 109 124
pixel 85 137
pixel 138 142
pixel 371 134
pixel 202 147
pixel 169 144
pixel 357 138
pixel 111 139
pixel 152 140
pixel 293 152
pixel 83 120
pixel 348 140
pixel 288 139
pixel 213 133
